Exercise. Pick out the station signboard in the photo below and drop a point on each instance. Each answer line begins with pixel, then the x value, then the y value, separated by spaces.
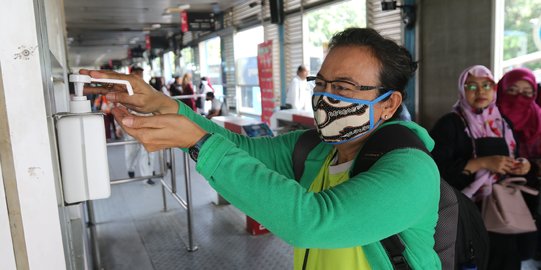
pixel 196 21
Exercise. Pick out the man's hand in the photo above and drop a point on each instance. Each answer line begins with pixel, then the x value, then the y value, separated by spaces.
pixel 159 131
pixel 145 98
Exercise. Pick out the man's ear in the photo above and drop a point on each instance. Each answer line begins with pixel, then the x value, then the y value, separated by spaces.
pixel 391 105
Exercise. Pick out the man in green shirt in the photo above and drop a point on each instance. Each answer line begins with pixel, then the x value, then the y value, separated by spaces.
pixel 334 221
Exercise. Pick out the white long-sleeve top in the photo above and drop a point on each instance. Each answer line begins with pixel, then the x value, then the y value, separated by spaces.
pixel 299 95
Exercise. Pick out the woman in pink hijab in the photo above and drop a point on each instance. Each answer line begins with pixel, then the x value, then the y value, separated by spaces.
pixel 517 91
pixel 475 147
pixel 474 143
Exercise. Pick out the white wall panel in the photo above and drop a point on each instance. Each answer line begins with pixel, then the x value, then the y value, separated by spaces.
pixel 25 144
pixel 7 258
pixel 55 29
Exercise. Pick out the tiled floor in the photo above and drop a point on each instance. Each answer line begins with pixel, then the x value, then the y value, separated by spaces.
pixel 134 232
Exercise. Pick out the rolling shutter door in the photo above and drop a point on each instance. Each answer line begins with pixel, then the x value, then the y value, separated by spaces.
pixel 244 15
pixel 387 23
pixel 196 74
pixel 229 82
pixel 292 4
pixel 293 45
pixel 187 37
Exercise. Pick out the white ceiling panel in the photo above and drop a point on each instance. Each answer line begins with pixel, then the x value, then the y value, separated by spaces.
pixel 101 30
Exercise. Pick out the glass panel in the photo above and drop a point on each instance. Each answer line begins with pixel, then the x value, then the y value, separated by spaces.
pixel 321 24
pixel 156 67
pixel 210 60
pixel 187 61
pixel 168 66
pixel 247 71
pixel 246 65
pixel 522 35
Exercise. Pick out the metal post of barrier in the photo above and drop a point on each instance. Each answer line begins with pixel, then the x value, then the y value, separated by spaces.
pixel 164 160
pixel 139 178
pixel 96 258
pixel 172 190
pixel 90 211
pixel 184 204
pixel 164 199
pixel 187 180
pixel 173 173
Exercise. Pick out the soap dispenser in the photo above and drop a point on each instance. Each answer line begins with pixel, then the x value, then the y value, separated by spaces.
pixel 82 146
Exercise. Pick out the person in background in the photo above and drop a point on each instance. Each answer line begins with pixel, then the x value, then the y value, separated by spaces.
pixel 298 93
pixel 101 104
pixel 334 220
pixel 158 84
pixel 538 94
pixel 137 71
pixel 517 92
pixel 475 146
pixel 204 87
pixel 136 157
pixel 216 107
pixel 176 87
pixel 187 90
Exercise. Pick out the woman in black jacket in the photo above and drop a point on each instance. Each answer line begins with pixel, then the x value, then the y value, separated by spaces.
pixel 475 147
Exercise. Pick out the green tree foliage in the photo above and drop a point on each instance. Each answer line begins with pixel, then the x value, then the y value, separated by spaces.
pixel 324 22
pixel 520 16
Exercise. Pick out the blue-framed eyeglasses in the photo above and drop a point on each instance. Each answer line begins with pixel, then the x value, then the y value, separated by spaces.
pixel 320 85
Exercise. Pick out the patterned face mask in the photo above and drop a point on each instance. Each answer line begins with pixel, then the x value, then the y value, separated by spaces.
pixel 340 119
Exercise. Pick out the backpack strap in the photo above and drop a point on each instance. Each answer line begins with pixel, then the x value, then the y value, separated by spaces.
pixel 306 142
pixel 395 248
pixel 384 140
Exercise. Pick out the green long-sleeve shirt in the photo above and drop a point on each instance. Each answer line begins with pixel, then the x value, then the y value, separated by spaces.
pixel 399 194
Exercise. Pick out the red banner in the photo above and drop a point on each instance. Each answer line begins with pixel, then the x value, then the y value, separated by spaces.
pixel 184 21
pixel 147 42
pixel 264 70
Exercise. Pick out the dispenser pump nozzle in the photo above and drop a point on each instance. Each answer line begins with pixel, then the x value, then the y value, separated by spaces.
pixel 79 103
pixel 79 80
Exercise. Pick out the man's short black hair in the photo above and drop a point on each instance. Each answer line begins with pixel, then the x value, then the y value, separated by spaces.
pixel 397 65
pixel 136 69
pixel 301 68
pixel 210 95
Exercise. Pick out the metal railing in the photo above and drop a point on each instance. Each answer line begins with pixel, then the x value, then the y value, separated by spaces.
pixel 185 204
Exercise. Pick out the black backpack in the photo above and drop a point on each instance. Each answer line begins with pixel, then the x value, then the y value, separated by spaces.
pixel 460 239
